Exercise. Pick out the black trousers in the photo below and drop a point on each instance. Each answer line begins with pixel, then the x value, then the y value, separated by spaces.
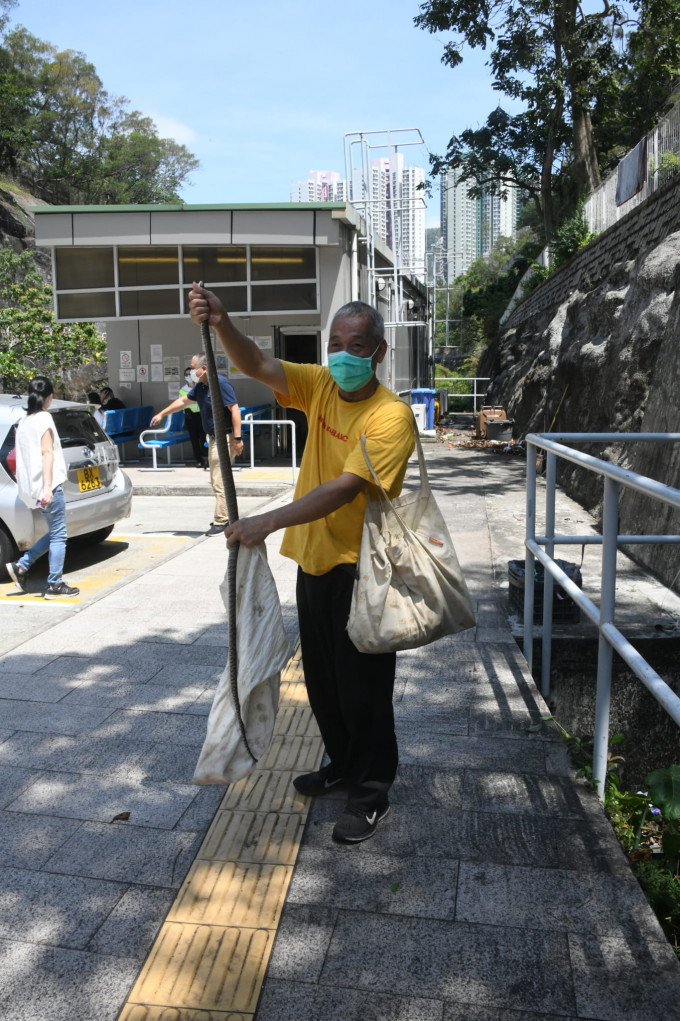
pixel 350 692
pixel 194 426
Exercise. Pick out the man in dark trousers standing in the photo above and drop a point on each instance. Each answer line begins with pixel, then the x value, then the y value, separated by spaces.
pixel 350 692
pixel 200 394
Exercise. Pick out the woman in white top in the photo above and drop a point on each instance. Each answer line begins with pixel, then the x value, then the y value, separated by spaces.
pixel 41 471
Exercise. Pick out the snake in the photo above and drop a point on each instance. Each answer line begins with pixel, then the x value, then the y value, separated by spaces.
pixel 220 424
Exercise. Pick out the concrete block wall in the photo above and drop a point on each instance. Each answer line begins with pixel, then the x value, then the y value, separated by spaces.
pixel 634 234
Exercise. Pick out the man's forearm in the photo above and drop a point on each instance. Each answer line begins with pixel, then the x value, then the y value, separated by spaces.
pixel 314 505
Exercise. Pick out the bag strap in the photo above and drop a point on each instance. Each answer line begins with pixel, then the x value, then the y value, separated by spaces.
pixel 424 480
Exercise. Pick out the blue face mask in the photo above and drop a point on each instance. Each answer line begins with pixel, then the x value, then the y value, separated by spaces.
pixel 350 372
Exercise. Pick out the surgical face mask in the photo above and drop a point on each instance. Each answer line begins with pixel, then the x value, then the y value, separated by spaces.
pixel 193 375
pixel 188 378
pixel 350 372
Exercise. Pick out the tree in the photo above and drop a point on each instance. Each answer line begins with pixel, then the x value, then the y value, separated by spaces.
pixel 553 56
pixel 67 140
pixel 32 342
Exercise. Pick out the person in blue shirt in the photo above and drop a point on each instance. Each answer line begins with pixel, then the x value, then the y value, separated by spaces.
pixel 200 394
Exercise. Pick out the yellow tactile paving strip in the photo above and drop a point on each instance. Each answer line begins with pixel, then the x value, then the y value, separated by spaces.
pixel 210 957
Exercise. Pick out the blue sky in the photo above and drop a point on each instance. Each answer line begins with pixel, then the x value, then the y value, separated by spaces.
pixel 262 92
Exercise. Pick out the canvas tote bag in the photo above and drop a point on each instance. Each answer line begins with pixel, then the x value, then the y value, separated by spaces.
pixel 409 589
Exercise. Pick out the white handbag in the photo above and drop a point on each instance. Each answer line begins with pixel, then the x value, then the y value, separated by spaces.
pixel 409 589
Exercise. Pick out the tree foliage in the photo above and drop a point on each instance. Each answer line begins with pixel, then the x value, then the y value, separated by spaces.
pixel 588 78
pixel 67 140
pixel 32 342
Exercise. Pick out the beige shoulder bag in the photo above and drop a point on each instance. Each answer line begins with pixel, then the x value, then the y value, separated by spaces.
pixel 409 589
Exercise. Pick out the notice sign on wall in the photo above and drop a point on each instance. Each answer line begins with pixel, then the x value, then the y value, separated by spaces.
pixel 171 369
pixel 126 376
pixel 156 352
pixel 126 359
pixel 142 373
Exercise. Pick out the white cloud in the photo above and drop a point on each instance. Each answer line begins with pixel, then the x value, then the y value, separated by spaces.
pixel 167 127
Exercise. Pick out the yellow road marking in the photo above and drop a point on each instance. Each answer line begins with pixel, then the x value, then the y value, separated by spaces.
pixel 210 958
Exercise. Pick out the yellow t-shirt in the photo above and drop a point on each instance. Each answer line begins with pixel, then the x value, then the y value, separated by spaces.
pixel 334 446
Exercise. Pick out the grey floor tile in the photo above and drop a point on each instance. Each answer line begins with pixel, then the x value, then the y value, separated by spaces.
pixel 27 841
pixel 178 676
pixel 133 725
pixel 625 980
pixel 117 666
pixel 110 753
pixel 148 697
pixel 66 984
pixel 475 964
pixel 13 782
pixel 35 687
pixel 418 784
pixel 65 911
pixel 301 942
pixel 555 900
pixel 291 1001
pixel 19 662
pixel 71 796
pixel 526 840
pixel 201 811
pixel 473 752
pixel 125 853
pixel 45 718
pixel 133 924
pixel 434 720
pixel 471 1012
pixel 416 887
pixel 502 791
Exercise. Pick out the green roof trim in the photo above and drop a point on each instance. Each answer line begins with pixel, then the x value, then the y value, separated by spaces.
pixel 187 207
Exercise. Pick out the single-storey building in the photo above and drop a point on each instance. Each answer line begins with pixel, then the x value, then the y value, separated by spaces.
pixel 282 270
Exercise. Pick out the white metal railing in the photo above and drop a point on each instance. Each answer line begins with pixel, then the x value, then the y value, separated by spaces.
pixel 476 394
pixel 663 162
pixel 610 638
pixel 251 420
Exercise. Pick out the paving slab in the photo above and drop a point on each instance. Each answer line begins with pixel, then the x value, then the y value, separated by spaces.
pixel 494 891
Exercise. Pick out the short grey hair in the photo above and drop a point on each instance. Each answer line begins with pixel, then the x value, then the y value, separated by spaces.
pixel 360 310
pixel 201 359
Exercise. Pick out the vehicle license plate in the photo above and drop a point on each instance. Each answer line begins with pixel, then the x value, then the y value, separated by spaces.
pixel 88 479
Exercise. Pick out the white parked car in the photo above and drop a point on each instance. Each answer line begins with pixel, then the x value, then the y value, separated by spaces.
pixel 98 493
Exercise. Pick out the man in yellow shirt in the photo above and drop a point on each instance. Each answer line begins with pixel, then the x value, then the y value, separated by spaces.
pixel 350 692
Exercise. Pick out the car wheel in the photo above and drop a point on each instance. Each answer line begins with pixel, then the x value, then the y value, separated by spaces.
pixel 92 538
pixel 8 551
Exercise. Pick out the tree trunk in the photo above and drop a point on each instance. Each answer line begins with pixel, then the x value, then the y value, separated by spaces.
pixel 585 170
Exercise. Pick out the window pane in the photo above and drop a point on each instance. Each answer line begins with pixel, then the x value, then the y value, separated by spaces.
pixel 145 267
pixel 84 267
pixel 77 428
pixel 282 264
pixel 234 299
pixel 86 306
pixel 214 265
pixel 149 303
pixel 282 297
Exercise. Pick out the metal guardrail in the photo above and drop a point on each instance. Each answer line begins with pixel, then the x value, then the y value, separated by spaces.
pixel 250 420
pixel 610 638
pixel 663 162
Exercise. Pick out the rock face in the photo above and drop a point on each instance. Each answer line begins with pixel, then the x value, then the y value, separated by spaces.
pixel 604 358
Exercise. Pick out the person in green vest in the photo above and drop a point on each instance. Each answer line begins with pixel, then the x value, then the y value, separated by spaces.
pixel 193 424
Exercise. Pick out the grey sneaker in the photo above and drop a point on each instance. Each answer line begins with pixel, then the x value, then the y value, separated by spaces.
pixel 216 529
pixel 61 591
pixel 359 822
pixel 18 575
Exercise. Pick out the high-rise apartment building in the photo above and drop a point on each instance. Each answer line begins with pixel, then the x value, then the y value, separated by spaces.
pixel 471 226
pixel 394 198
pixel 320 186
